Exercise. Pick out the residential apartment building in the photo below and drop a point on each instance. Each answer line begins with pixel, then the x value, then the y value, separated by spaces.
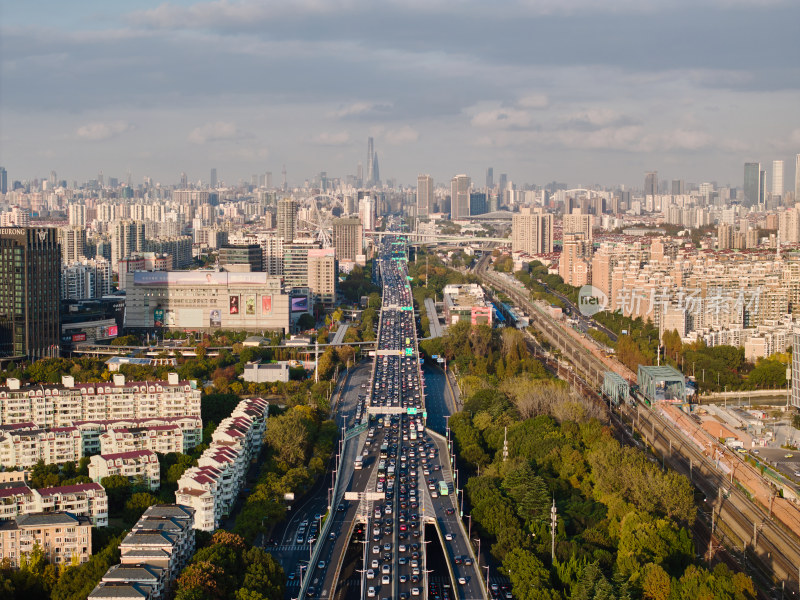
pixel 87 499
pixel 191 427
pixel 64 537
pixel 323 274
pixel 24 444
pixel 152 555
pixel 348 238
pixel 160 438
pixel 211 487
pixel 61 405
pixel 532 231
pixel 137 465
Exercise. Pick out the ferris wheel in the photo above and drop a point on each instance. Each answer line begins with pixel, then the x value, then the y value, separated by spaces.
pixel 324 208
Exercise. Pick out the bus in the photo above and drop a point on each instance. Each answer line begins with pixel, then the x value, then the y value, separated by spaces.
pixel 412 433
pixel 384 450
pixel 358 463
pixel 443 489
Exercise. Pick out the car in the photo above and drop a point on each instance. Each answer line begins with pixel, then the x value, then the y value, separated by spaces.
pixel 797 473
pixel 403 578
pixel 370 574
pixel 321 564
pixel 291 576
pixel 385 569
pixel 467 561
pixel 385 580
pixel 462 580
pixel 415 591
pixel 370 592
pixel 755 451
pixel 448 536
pixel 788 455
pixel 376 549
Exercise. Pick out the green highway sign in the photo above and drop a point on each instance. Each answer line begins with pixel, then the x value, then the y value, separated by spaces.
pixel 411 410
pixel 409 351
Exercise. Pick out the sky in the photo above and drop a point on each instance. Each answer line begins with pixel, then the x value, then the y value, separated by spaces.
pixel 577 91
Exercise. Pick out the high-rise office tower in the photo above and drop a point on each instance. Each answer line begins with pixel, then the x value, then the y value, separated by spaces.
pixel 348 238
pixel 287 218
pixel 424 195
pixel 459 197
pixel 532 231
pixel 651 183
pixel 752 177
pixel 213 179
pixel 242 258
pixel 777 178
pixel 489 178
pixel 184 180
pixel 477 203
pixel 503 182
pixel 127 238
pixel 366 212
pixel 762 187
pixel 370 160
pixel 4 180
pixel 29 300
pixel 678 187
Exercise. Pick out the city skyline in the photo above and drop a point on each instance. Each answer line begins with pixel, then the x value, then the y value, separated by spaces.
pixel 248 87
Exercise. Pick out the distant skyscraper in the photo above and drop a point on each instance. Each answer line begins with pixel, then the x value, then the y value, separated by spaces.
pixel 503 182
pixel 4 178
pixel 370 160
pixel 490 178
pixel 762 187
pixel 287 217
pixel 127 238
pixel 678 187
pixel 797 179
pixel 184 180
pixel 376 171
pixel 459 197
pixel 29 302
pixel 777 178
pixel 752 176
pixel 359 175
pixel 213 179
pixel 424 195
pixel 651 183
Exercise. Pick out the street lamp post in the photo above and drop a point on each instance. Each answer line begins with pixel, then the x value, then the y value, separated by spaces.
pixel 478 540
pixel 469 529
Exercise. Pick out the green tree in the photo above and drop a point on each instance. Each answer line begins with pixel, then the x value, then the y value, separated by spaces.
pixel 306 321
pixel 136 505
pixel 530 580
pixel 118 490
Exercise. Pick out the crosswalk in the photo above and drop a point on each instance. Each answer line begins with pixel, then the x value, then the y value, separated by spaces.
pixel 288 548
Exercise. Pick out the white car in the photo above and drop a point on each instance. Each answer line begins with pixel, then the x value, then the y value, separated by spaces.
pixel 415 591
pixel 385 580
pixel 374 564
pixel 376 549
pixel 370 592
pixel 370 574
pixel 448 537
pixel 462 580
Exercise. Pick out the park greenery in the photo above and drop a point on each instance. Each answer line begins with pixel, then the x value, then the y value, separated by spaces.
pixel 623 523
pixel 229 567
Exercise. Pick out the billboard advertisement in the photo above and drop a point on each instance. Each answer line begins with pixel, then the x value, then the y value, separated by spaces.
pixel 169 318
pixel 113 331
pixel 215 318
pixel 266 305
pixel 300 304
pixel 250 305
pixel 158 317
pixel 233 306
pixel 78 337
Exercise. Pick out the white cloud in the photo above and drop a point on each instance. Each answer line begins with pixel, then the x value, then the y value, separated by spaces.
pixel 215 132
pixel 332 139
pixel 360 109
pixel 502 118
pixel 403 135
pixel 99 131
pixel 534 101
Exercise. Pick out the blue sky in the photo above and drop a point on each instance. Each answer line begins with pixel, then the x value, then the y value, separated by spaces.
pixel 578 91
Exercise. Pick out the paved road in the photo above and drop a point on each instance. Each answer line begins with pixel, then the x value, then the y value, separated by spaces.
pixel 291 554
pixel 438 399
